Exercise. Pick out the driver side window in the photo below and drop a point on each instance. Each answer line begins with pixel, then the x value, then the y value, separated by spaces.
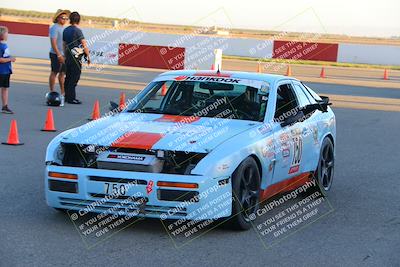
pixel 156 99
pixel 286 101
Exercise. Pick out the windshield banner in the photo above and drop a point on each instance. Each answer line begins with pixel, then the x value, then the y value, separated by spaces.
pixel 229 80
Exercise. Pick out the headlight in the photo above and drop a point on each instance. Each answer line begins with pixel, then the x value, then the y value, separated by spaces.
pixel 58 156
pixel 59 153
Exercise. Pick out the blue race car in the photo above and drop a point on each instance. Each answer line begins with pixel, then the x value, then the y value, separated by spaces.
pixel 196 145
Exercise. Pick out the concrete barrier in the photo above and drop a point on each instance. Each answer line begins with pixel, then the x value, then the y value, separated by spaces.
pixel 305 51
pixel 22 45
pixel 31 40
pixel 369 54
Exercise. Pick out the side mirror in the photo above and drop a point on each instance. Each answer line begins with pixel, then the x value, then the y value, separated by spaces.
pixel 293 119
pixel 114 106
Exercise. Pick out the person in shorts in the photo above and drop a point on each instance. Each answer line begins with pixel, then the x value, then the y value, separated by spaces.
pixel 5 69
pixel 56 54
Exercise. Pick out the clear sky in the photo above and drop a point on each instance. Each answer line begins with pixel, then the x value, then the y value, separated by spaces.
pixel 352 17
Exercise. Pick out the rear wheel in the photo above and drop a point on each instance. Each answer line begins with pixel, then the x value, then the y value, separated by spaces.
pixel 245 194
pixel 324 173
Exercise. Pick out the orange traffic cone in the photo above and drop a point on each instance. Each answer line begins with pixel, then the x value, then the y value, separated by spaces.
pixel 386 75
pixel 289 71
pixel 49 123
pixel 212 67
pixel 96 111
pixel 122 101
pixel 259 68
pixel 322 74
pixel 164 90
pixel 13 139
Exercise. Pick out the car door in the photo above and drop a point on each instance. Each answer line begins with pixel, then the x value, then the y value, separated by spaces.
pixel 308 128
pixel 312 121
pixel 289 140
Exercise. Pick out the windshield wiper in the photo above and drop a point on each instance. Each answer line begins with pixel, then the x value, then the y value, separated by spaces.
pixel 145 110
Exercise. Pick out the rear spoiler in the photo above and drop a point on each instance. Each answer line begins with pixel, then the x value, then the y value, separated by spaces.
pixel 323 103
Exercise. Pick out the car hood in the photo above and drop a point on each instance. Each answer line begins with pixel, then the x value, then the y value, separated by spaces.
pixel 158 132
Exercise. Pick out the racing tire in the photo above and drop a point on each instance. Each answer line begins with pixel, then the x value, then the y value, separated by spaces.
pixel 325 169
pixel 245 195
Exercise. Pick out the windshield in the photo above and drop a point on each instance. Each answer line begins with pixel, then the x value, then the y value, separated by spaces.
pixel 203 99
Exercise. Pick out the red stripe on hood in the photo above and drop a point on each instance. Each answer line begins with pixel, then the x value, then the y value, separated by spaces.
pixel 177 118
pixel 138 140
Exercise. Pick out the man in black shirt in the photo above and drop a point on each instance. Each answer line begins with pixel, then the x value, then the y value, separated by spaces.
pixel 75 48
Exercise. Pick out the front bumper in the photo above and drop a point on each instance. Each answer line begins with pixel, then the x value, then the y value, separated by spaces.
pixel 143 197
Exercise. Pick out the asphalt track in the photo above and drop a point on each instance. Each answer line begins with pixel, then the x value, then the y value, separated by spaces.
pixel 362 229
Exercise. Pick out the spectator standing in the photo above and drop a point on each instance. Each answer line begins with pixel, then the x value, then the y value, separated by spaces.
pixel 56 54
pixel 75 49
pixel 5 69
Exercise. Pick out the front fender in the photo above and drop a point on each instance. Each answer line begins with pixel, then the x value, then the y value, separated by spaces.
pixel 224 160
pixel 53 146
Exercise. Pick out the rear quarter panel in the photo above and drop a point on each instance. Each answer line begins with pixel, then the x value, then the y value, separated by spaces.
pixel 322 125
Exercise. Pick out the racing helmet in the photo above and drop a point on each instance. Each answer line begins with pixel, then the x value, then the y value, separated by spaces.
pixel 53 99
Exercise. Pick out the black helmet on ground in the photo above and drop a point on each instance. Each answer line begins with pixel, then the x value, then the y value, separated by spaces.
pixel 53 99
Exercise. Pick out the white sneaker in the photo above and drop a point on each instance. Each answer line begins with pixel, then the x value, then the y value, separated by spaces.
pixel 62 100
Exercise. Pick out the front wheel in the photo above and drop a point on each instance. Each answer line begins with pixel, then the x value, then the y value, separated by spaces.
pixel 325 169
pixel 245 194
